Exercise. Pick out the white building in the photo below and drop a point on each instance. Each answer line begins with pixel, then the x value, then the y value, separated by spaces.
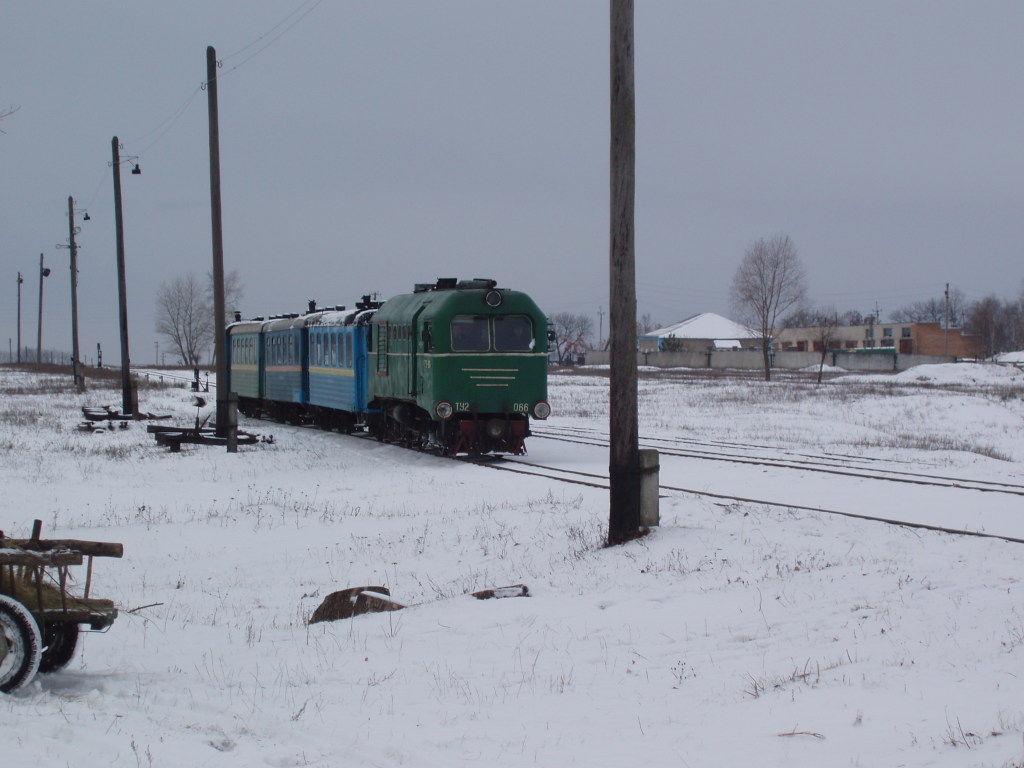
pixel 700 333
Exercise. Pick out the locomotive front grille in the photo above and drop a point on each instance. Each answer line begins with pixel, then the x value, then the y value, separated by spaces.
pixel 491 377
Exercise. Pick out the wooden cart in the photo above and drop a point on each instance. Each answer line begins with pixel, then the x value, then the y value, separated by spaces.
pixel 40 618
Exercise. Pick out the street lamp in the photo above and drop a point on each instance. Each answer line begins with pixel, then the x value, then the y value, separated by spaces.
pixel 128 403
pixel 43 272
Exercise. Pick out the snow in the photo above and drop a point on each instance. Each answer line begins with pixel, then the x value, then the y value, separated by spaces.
pixel 964 373
pixel 706 325
pixel 734 634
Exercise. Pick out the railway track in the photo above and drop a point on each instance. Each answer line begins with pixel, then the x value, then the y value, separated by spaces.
pixel 594 480
pixel 838 464
pixel 739 453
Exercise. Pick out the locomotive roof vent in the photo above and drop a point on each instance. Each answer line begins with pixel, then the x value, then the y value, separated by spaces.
pixel 422 287
pixel 368 303
pixel 446 283
pixel 477 283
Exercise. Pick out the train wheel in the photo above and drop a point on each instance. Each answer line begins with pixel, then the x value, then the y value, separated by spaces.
pixel 20 645
pixel 61 643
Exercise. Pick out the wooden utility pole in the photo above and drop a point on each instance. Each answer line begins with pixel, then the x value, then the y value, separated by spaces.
pixel 624 461
pixel 20 281
pixel 43 272
pixel 945 325
pixel 128 406
pixel 76 368
pixel 218 246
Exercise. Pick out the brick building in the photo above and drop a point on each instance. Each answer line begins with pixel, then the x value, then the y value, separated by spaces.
pixel 902 338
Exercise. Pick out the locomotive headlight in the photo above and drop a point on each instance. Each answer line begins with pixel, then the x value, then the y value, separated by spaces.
pixel 444 410
pixel 493 298
pixel 541 410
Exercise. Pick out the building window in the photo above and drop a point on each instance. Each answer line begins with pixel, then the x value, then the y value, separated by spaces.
pixel 869 332
pixel 887 333
pixel 905 332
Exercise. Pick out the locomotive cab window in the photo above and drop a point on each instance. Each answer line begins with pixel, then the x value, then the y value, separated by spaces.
pixel 469 333
pixel 513 333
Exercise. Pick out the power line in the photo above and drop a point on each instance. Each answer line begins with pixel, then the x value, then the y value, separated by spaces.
pixel 246 47
pixel 302 15
pixel 165 126
pixel 169 122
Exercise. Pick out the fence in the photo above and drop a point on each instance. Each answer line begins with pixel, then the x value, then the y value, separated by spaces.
pixel 751 359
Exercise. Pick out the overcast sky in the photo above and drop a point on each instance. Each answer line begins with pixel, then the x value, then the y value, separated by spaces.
pixel 368 146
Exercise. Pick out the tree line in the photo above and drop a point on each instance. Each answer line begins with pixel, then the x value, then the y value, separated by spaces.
pixel 769 293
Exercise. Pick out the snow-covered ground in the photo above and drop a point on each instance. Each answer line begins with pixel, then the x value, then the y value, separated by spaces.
pixel 733 634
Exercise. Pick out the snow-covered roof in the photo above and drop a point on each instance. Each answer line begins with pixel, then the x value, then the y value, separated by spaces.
pixel 706 325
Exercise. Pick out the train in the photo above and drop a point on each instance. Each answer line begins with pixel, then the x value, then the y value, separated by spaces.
pixel 456 366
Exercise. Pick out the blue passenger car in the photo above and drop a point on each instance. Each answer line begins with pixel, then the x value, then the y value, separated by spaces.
pixel 337 356
pixel 245 357
pixel 284 370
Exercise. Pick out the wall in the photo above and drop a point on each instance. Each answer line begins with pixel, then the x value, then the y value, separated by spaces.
pixel 751 360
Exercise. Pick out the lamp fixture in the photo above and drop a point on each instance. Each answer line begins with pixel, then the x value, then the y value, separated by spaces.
pixel 136 171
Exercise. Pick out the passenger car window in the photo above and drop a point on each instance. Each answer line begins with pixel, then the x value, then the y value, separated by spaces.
pixel 513 333
pixel 469 333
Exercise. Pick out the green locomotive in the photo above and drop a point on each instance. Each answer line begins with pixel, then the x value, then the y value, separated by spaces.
pixel 459 366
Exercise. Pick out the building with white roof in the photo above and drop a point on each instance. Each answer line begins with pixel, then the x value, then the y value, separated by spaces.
pixel 700 333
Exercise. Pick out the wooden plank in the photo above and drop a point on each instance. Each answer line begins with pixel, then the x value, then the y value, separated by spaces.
pixel 73 546
pixel 30 558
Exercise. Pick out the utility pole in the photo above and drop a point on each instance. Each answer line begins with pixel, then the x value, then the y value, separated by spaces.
pixel 20 281
pixel 600 327
pixel 75 366
pixel 43 272
pixel 623 460
pixel 945 330
pixel 218 245
pixel 128 404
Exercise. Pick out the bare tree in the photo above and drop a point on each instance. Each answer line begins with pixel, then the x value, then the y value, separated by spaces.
pixel 851 317
pixel 801 317
pixel 184 317
pixel 768 282
pixel 5 113
pixel 933 310
pixel 826 321
pixel 233 292
pixel 983 319
pixel 572 334
pixel 645 325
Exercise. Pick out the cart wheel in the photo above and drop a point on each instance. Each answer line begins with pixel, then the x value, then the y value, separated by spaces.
pixel 61 642
pixel 20 645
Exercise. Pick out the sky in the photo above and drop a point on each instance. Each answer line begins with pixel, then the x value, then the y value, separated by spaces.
pixel 366 147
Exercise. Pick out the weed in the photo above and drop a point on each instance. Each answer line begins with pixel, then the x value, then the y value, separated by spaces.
pixel 809 674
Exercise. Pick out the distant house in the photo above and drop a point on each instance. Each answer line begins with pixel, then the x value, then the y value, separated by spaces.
pixel 699 334
pixel 902 338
